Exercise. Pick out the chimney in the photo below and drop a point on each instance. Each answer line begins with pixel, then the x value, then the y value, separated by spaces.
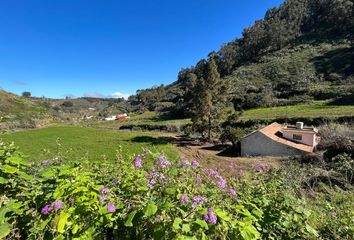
pixel 299 125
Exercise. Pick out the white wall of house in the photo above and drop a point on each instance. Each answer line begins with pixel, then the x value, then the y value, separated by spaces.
pixel 308 138
pixel 258 144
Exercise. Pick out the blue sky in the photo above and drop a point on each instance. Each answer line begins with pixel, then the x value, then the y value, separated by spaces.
pixel 86 47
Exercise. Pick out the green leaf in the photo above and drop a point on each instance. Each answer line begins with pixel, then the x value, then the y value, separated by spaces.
pixel 14 206
pixel 62 222
pixel 80 189
pixel 48 174
pixel 129 222
pixel 120 206
pixel 143 189
pixel 66 171
pixel 311 230
pixel 9 169
pixel 202 223
pixel 186 228
pixel 25 176
pixel 5 229
pixel 176 223
pixel 75 229
pixel 204 237
pixel 248 231
pixel 3 211
pixel 171 191
pixel 221 214
pixel 3 180
pixel 151 209
pixel 14 160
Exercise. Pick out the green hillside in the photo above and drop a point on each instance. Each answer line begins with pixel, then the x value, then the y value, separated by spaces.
pixel 299 52
pixel 16 111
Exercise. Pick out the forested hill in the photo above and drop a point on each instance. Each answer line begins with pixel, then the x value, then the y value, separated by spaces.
pixel 301 51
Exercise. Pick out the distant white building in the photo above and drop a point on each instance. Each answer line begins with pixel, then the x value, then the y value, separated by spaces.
pixel 111 118
pixel 277 140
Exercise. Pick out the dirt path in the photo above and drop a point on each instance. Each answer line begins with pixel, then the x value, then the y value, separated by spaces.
pixel 225 164
pixel 216 157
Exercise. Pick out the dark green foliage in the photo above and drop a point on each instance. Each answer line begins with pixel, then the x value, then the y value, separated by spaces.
pixel 26 94
pixel 67 104
pixel 268 205
pixel 210 100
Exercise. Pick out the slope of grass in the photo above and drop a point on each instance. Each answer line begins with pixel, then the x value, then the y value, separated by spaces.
pixel 16 106
pixel 313 110
pixel 146 118
pixel 76 142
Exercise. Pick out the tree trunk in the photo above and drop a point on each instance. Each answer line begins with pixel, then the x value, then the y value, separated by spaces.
pixel 209 127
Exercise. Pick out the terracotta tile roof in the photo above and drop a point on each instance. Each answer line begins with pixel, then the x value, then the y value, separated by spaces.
pixel 273 131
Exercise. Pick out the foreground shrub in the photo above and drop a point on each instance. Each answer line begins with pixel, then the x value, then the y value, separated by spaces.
pixel 146 196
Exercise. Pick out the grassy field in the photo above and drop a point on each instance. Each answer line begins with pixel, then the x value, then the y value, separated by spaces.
pixel 313 110
pixel 78 142
pixel 146 118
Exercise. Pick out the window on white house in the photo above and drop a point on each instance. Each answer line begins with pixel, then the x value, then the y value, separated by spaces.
pixel 297 137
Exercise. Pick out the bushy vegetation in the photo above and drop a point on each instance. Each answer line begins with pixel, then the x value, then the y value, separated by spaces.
pixel 148 195
pixel 299 52
pixel 317 109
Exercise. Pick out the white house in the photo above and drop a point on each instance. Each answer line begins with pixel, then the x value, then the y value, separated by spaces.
pixel 300 134
pixel 278 140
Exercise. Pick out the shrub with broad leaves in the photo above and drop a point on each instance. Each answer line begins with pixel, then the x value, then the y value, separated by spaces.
pixel 146 196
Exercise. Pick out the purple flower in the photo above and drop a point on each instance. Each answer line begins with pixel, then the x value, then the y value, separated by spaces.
pixel 57 205
pixel 212 217
pixel 103 190
pixel 185 163
pixel 115 181
pixel 70 200
pixel 158 218
pixel 198 200
pixel 195 163
pixel 261 167
pixel 198 180
pixel 163 162
pixel 111 207
pixel 183 199
pixel 46 209
pixel 101 199
pixel 138 162
pixel 221 182
pixel 154 176
pixel 212 173
pixel 233 191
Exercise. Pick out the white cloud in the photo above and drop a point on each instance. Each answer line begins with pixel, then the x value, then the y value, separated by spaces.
pixel 120 95
pixel 113 95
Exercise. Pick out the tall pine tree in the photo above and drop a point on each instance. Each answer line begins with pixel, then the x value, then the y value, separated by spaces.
pixel 208 99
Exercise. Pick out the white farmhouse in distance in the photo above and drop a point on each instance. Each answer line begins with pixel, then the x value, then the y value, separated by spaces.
pixel 278 140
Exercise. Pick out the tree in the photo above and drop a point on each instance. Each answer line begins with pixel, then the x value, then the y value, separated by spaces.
pixel 210 95
pixel 26 94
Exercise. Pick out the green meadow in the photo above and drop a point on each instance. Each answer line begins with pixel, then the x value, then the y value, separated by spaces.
pixel 312 110
pixel 77 142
